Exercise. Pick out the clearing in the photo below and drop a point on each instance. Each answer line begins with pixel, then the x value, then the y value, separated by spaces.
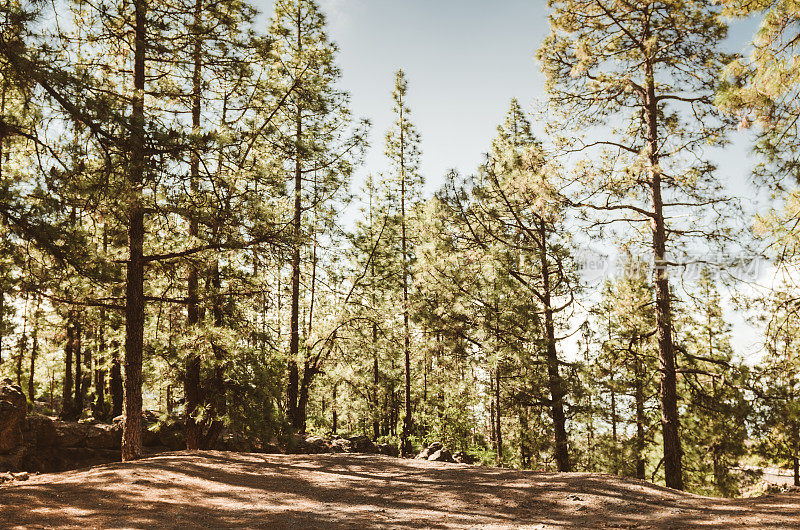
pixel 220 489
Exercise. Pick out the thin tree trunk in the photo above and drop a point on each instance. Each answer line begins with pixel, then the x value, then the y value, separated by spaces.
pixel 191 382
pixel 77 353
pixel 498 416
pixel 668 391
pixel 23 342
pixel 34 352
pixel 407 419
pixel 640 419
pixel 554 377
pixel 293 375
pixel 115 381
pixel 376 425
pixel 333 408
pixel 66 399
pixel 134 285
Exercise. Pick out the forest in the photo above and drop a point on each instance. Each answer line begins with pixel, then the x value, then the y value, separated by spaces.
pixel 177 202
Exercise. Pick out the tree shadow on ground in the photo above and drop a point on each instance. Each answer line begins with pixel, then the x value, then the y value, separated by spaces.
pixel 217 489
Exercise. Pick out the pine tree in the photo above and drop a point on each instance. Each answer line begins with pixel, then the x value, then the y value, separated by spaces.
pixel 649 70
pixel 403 150
pixel 312 136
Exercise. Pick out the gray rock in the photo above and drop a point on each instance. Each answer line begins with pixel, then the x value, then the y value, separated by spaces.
pixel 21 476
pixel 441 455
pixel 464 458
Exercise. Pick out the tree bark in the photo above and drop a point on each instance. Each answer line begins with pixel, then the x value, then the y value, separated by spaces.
pixel 293 377
pixel 77 353
pixel 553 376
pixel 668 388
pixel 66 399
pixel 407 419
pixel 115 381
pixel 498 416
pixel 134 285
pixel 640 419
pixel 191 382
pixel 34 353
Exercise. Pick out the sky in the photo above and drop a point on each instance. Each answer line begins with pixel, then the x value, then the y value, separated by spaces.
pixel 464 61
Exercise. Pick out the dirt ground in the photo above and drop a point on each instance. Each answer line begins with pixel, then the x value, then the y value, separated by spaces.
pixel 218 489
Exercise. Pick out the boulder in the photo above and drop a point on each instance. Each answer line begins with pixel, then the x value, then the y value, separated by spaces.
pixel 388 450
pixel 341 445
pixel 39 431
pixel 103 436
pixel 171 434
pixel 313 445
pixel 441 455
pixel 464 458
pixel 13 406
pixel 428 451
pixel 362 444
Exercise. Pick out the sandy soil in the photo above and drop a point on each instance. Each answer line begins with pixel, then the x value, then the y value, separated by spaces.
pixel 218 489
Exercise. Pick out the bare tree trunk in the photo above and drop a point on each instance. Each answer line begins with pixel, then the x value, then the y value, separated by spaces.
pixel 640 419
pixel 334 425
pixel 557 392
pixel 407 419
pixel 376 426
pixel 498 416
pixel 34 352
pixel 115 381
pixel 77 353
pixel 66 399
pixel 668 391
pixel 293 376
pixel 191 382
pixel 134 285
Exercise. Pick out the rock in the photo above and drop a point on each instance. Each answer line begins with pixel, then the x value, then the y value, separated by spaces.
pixel 464 458
pixel 103 436
pixel 441 455
pixel 170 434
pixel 341 445
pixel 13 406
pixel 39 431
pixel 428 451
pixel 313 445
pixel 388 450
pixel 21 476
pixel 362 444
pixel 6 477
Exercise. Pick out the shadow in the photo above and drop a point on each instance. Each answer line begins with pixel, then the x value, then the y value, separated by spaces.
pixel 218 489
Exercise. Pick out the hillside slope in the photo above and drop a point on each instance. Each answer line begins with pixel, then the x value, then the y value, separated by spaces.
pixel 218 489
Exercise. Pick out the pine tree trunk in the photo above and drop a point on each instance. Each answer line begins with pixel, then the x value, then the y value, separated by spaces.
pixel 34 353
pixel 553 376
pixel 77 353
pixel 191 382
pixel 66 398
pixel 334 425
pixel 100 410
pixel 640 419
pixel 134 285
pixel 668 391
pixel 293 377
pixel 376 425
pixel 498 416
pixel 115 382
pixel 407 419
